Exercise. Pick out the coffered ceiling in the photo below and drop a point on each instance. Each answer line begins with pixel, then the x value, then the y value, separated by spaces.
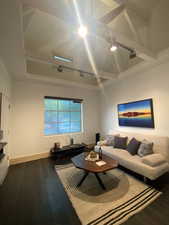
pixel 50 27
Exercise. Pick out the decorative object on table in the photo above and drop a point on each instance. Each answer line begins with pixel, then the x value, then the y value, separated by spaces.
pixel 92 156
pixel 97 137
pixel 101 163
pixel 100 152
pixel 100 144
pixel 56 146
pixel 71 141
pixel 136 114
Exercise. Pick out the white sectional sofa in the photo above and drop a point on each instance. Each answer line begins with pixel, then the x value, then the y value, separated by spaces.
pixel 136 163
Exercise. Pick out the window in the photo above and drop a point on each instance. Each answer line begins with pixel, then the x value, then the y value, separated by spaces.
pixel 62 115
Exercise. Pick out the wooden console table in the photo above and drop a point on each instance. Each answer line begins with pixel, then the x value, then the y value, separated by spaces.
pixel 68 151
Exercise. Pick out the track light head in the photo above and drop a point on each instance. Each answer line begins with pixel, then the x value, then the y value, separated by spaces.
pixel 60 69
pixel 132 55
pixel 113 48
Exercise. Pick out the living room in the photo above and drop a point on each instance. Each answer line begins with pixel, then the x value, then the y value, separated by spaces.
pixel 33 35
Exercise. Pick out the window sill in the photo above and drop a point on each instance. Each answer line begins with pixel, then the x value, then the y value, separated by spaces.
pixel 65 134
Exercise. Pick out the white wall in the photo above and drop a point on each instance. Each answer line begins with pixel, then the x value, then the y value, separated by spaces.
pixel 28 117
pixel 5 89
pixel 153 83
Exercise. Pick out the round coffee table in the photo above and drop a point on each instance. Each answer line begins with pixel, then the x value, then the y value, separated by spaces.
pixel 91 167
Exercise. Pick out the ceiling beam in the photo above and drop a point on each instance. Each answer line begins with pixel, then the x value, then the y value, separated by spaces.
pixel 136 15
pixel 28 16
pixel 109 3
pixel 101 74
pixel 131 25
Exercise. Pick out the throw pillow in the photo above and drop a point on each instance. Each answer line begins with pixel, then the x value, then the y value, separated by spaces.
pixel 110 140
pixel 120 142
pixel 153 160
pixel 133 146
pixel 146 148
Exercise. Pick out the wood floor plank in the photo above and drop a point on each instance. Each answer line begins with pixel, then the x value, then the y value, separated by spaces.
pixel 32 194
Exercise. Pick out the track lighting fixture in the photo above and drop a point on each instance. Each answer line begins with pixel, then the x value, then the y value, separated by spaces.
pixel 116 45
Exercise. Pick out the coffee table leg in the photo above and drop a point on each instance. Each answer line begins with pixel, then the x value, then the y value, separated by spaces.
pixel 100 181
pixel 83 178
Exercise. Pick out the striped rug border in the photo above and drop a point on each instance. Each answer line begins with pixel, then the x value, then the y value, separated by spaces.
pixel 132 209
pixel 139 205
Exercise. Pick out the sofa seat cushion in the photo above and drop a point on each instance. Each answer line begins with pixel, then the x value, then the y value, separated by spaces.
pixel 153 160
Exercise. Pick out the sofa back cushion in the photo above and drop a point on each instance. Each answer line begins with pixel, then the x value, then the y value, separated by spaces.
pixel 146 148
pixel 133 146
pixel 160 143
pixel 109 139
pixel 120 142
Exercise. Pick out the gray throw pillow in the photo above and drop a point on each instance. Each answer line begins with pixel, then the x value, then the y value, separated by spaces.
pixel 120 142
pixel 110 140
pixel 133 146
pixel 146 148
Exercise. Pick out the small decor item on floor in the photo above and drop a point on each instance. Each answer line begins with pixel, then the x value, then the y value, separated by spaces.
pixel 92 156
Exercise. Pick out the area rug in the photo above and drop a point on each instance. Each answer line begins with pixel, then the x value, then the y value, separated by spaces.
pixel 124 196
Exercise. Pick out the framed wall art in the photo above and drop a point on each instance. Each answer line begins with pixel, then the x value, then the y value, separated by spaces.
pixel 136 114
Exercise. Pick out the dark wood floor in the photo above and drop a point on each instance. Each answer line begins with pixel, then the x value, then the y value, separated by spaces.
pixel 33 195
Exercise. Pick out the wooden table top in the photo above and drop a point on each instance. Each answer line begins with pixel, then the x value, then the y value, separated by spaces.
pixel 80 162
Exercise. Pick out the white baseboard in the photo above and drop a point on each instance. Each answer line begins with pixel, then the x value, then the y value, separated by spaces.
pixel 29 158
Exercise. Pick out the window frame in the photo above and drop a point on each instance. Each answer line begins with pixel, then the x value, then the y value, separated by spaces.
pixel 81 116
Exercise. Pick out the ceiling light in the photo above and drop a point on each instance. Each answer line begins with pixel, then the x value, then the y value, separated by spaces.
pixel 82 31
pixel 113 48
pixel 63 59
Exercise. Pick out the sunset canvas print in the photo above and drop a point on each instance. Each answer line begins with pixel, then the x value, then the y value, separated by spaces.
pixel 136 114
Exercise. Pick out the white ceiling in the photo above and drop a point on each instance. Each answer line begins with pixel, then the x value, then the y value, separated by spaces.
pixel 50 28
